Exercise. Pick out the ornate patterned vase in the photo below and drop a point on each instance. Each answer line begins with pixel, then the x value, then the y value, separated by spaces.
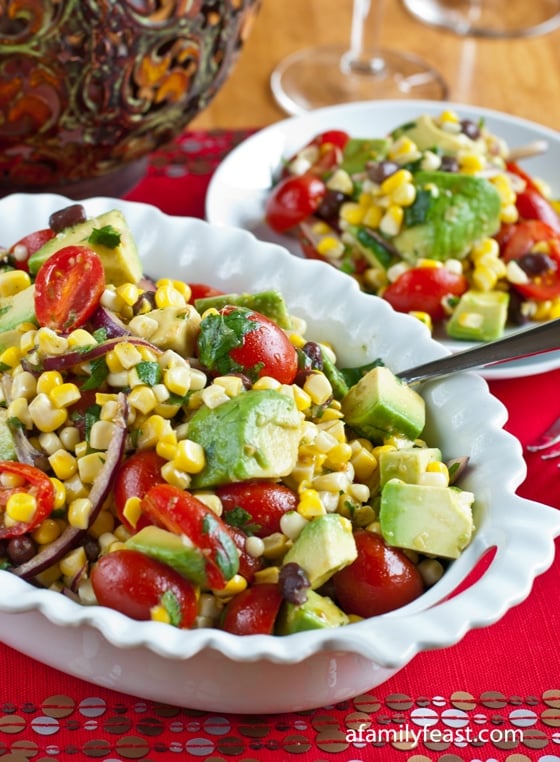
pixel 89 88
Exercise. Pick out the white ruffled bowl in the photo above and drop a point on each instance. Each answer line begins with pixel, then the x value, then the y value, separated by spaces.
pixel 215 671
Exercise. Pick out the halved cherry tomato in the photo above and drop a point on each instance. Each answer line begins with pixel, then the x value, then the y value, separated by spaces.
pixel 423 289
pixel 180 512
pixel 338 138
pixel 381 578
pixel 532 205
pixel 20 252
pixel 135 584
pixel 68 288
pixel 237 339
pixel 134 478
pixel 256 507
pixel 292 200
pixel 35 483
pixel 543 270
pixel 201 291
pixel 253 611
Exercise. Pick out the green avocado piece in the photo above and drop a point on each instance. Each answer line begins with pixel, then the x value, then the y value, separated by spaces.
pixel 451 212
pixel 120 262
pixel 324 546
pixel 254 435
pixel 271 304
pixel 318 612
pixel 432 520
pixel 426 134
pixel 479 316
pixel 7 447
pixel 358 151
pixel 15 310
pixel 171 549
pixel 407 464
pixel 380 405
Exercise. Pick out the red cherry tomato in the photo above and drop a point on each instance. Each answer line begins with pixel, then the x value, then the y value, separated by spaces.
pixel 35 483
pixel 253 611
pixel 543 284
pixel 381 578
pixel 338 138
pixel 68 288
pixel 180 512
pixel 532 205
pixel 423 289
pixel 256 507
pixel 201 291
pixel 134 584
pixel 292 200
pixel 134 478
pixel 237 339
pixel 21 251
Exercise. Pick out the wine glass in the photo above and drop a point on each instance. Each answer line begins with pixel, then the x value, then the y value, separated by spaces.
pixel 328 75
pixel 488 18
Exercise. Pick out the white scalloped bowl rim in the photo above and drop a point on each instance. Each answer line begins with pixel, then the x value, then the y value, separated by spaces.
pixel 463 416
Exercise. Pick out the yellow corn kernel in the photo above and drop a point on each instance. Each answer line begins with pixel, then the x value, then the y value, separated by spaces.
pixel 167 448
pixel 59 492
pixel 129 293
pixel 132 510
pixel 319 388
pixel 232 385
pixel 21 506
pixel 73 562
pixel 372 216
pixel 504 188
pixel 13 281
pixel 47 531
pixel 80 338
pixel 423 317
pixel 268 574
pixel 449 116
pixel 484 279
pixel 44 415
pixel 114 364
pixel 105 522
pixel 471 163
pixel 159 613
pixel 11 357
pixel 19 408
pixel 338 455
pixel 509 213
pixel 210 500
pixel 237 584
pixel 177 379
pixel 267 382
pixel 101 434
pixel 484 248
pixel 301 398
pixel 395 181
pixel 27 341
pixel 64 464
pixel 48 380
pixel 24 384
pixel 330 246
pixel 79 512
pixel 213 396
pixel 189 457
pixel 179 285
pixel 49 576
pixel 169 296
pixel 542 311
pixel 127 354
pixel 554 311
pixel 81 449
pixel 437 466
pixel 143 399
pixel 90 465
pixel 376 451
pixel 403 150
pixel 310 504
pixel 352 213
pixel 155 427
pixel 404 195
pixel 50 343
pixel 392 220
pixel 64 395
pixel 175 476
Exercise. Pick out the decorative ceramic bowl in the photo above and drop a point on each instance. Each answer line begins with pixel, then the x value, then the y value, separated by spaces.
pixel 88 88
pixel 212 670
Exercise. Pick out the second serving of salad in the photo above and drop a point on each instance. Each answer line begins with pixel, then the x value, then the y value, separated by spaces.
pixel 190 457
pixel 437 217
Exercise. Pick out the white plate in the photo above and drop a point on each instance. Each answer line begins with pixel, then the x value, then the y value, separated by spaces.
pixel 240 186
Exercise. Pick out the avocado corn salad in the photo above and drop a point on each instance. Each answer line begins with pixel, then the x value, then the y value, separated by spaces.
pixel 437 218
pixel 189 457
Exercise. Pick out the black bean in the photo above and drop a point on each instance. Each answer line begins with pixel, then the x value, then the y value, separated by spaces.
pixel 293 583
pixel 536 264
pixel 21 549
pixel 314 354
pixel 378 171
pixel 449 164
pixel 470 129
pixel 91 548
pixel 67 217
pixel 145 303
pixel 515 314
pixel 330 205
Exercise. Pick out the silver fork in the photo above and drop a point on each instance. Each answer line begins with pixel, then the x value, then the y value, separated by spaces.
pixel 548 440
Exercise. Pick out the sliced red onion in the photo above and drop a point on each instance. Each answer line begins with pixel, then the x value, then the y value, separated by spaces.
pixel 76 357
pixel 98 494
pixel 109 321
pixel 457 467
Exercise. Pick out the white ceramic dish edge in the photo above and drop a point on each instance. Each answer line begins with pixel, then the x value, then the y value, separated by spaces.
pixel 147 658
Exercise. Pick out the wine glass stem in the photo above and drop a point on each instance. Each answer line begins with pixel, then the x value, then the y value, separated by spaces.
pixel 364 55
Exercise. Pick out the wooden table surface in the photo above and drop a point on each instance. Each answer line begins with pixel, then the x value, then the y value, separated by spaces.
pixel 520 77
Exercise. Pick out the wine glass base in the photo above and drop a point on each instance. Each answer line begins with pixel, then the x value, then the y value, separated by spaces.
pixel 317 77
pixel 503 19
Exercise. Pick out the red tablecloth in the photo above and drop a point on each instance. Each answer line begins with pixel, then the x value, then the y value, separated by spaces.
pixel 496 681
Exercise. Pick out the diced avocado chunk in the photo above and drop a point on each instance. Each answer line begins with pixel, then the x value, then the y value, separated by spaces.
pixel 324 546
pixel 120 262
pixel 451 211
pixel 177 329
pixel 426 134
pixel 318 612
pixel 407 464
pixel 380 405
pixel 432 520
pixel 7 447
pixel 15 310
pixel 271 304
pixel 479 316
pixel 254 435
pixel 372 246
pixel 358 151
pixel 171 549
